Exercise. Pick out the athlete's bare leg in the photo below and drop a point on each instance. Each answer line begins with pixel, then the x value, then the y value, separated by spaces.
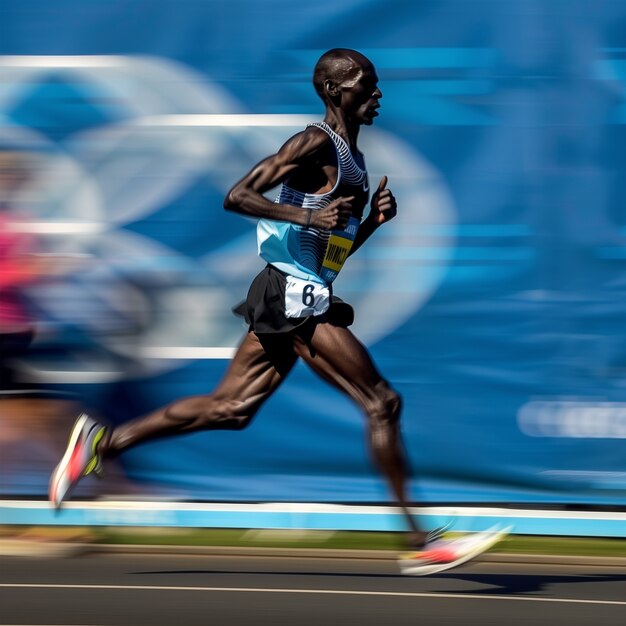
pixel 336 355
pixel 256 371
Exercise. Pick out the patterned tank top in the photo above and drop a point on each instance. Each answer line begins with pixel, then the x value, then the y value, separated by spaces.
pixel 309 253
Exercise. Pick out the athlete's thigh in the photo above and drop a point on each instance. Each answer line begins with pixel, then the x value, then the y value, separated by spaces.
pixel 258 368
pixel 339 357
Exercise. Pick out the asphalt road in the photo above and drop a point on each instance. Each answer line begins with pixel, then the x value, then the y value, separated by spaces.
pixel 151 590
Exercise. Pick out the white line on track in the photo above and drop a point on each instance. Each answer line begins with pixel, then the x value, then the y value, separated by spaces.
pixel 341 592
pixel 307 507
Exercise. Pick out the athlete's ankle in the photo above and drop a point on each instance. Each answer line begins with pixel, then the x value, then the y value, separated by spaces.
pixel 103 447
pixel 416 539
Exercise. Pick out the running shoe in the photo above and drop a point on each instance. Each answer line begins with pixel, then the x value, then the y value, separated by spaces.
pixel 80 459
pixel 443 554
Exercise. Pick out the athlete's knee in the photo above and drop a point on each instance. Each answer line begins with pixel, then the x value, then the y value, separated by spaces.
pixel 385 406
pixel 227 414
pixel 232 417
pixel 211 413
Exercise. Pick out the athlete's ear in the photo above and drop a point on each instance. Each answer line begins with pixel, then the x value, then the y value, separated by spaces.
pixel 331 88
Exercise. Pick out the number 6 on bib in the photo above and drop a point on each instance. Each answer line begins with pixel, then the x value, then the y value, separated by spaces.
pixel 304 298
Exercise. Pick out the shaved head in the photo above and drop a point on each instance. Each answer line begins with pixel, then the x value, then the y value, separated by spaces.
pixel 340 65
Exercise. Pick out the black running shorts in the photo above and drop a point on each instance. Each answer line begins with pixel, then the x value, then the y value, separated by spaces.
pixel 264 308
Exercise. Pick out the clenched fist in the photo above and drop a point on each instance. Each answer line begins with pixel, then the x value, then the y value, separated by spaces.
pixel 384 206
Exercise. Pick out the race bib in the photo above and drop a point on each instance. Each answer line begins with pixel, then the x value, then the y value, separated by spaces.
pixel 338 249
pixel 304 298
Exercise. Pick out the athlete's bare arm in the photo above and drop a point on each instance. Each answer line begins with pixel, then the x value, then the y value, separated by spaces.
pixel 293 159
pixel 383 209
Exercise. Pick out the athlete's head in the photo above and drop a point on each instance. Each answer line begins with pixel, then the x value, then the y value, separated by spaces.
pixel 347 80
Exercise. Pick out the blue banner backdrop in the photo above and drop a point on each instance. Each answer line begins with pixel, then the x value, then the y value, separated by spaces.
pixel 494 303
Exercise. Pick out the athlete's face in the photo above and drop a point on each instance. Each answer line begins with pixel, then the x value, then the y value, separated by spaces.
pixel 360 95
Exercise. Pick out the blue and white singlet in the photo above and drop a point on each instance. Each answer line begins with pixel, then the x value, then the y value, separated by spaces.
pixel 309 253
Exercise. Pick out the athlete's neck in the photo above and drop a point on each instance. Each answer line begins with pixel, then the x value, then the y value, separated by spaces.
pixel 347 129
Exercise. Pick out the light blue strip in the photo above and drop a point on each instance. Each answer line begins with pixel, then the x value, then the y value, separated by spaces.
pixel 465 230
pixel 449 87
pixel 411 58
pixel 408 58
pixel 493 253
pixel 549 522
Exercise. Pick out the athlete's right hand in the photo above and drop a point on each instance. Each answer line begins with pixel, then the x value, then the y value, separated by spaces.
pixel 334 215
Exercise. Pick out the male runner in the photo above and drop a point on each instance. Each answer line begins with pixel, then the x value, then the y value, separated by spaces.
pixel 316 222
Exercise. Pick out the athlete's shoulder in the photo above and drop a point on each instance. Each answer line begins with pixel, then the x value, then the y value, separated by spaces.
pixel 308 143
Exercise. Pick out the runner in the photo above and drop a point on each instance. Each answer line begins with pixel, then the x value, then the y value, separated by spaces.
pixel 18 268
pixel 316 223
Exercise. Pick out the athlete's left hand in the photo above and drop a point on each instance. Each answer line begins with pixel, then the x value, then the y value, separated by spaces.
pixel 384 207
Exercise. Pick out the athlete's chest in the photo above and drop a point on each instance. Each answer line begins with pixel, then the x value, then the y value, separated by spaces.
pixel 360 192
pixel 347 177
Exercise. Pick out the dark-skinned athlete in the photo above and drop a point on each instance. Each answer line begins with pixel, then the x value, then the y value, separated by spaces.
pixel 305 237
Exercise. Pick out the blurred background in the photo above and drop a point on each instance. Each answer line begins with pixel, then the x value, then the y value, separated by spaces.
pixel 494 303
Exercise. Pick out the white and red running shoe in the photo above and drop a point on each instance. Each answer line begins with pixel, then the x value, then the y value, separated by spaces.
pixel 442 554
pixel 80 459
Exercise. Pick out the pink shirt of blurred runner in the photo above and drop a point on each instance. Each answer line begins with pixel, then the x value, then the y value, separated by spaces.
pixel 14 274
